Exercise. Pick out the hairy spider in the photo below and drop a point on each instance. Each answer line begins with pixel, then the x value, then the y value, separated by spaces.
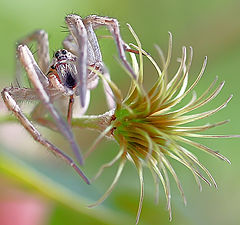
pixel 66 76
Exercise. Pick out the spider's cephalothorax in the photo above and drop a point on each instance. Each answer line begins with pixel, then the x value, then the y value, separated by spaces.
pixel 62 72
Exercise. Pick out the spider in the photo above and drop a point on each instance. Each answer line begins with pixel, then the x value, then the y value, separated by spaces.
pixel 66 76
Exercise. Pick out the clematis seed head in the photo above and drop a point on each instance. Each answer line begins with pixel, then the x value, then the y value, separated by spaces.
pixel 151 128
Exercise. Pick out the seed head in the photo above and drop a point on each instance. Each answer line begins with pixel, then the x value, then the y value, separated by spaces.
pixel 150 127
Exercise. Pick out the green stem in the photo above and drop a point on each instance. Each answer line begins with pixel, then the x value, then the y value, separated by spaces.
pixel 91 122
pixel 96 122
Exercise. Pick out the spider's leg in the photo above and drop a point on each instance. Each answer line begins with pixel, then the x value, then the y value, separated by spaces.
pixel 94 52
pixel 70 109
pixel 70 45
pixel 95 60
pixel 34 74
pixel 39 112
pixel 81 110
pixel 38 115
pixel 79 33
pixel 41 37
pixel 107 90
pixel 8 95
pixel 21 94
pixel 113 26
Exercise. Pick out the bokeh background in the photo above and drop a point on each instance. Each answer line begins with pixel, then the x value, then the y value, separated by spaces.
pixel 36 188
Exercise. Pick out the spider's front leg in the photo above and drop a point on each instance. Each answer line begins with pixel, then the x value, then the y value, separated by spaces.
pixel 79 33
pixel 34 74
pixel 10 95
pixel 95 61
pixel 113 26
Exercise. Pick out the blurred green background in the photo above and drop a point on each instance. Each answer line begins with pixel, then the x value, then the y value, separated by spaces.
pixel 212 28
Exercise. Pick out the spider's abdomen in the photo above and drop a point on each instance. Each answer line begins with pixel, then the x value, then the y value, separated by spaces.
pixel 67 73
pixel 70 80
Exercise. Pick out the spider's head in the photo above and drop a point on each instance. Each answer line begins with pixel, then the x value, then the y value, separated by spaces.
pixel 63 55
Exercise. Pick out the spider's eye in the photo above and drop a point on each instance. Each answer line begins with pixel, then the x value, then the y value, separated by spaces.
pixel 64 52
pixel 57 54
